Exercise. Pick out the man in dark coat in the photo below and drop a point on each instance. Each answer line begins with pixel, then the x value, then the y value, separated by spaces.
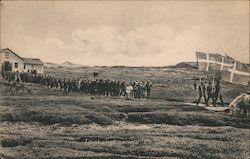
pixel 217 94
pixel 123 89
pixel 210 93
pixel 202 93
pixel 148 88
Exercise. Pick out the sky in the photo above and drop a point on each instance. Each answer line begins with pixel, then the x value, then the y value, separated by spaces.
pixel 132 33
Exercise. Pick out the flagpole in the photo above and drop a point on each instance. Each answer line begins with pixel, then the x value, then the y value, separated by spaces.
pixel 213 77
pixel 198 67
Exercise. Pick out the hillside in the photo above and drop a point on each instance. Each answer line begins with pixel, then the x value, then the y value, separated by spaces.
pixel 187 65
pixel 169 83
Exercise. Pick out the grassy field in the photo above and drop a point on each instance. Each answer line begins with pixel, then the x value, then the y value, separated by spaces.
pixel 52 125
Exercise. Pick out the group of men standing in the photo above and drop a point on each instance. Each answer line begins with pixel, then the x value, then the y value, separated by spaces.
pixel 210 92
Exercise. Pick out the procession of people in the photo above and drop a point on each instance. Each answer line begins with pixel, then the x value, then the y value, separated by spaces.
pixel 209 91
pixel 107 87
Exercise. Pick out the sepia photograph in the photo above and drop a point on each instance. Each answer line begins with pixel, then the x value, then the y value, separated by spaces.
pixel 124 79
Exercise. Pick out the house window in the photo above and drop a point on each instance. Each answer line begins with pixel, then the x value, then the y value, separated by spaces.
pixel 16 65
pixel 7 55
pixel 24 66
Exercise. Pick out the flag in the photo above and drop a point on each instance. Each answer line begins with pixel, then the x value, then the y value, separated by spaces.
pixel 201 60
pixel 213 61
pixel 238 74
pixel 227 63
pixel 231 70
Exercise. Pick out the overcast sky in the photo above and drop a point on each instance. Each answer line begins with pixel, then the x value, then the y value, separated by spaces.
pixel 139 33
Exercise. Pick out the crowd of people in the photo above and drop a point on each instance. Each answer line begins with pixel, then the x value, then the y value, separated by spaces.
pixel 107 87
pixel 210 92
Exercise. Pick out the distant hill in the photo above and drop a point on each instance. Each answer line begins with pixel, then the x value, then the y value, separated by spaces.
pixel 69 64
pixel 64 64
pixel 188 65
pixel 50 64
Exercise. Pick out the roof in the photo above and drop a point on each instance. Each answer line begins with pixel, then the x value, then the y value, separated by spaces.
pixel 32 61
pixel 1 50
pixel 4 49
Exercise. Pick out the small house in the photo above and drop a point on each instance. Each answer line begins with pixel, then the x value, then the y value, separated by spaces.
pixel 32 65
pixel 10 61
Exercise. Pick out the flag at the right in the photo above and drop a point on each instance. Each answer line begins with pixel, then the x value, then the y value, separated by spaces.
pixel 238 74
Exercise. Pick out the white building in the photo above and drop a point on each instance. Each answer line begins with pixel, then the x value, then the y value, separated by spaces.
pixel 10 61
pixel 32 64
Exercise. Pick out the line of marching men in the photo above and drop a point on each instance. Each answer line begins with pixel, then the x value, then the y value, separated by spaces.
pixel 132 90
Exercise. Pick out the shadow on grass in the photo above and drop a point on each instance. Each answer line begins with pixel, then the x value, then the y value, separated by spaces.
pixel 181 119
pixel 15 142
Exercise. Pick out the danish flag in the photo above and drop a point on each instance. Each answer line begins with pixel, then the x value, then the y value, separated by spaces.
pixel 231 70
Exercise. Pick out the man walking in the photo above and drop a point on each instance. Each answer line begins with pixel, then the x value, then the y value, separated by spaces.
pixel 217 94
pixel 148 88
pixel 210 93
pixel 202 92
pixel 195 85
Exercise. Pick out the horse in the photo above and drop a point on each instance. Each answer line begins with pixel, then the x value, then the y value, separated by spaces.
pixel 242 102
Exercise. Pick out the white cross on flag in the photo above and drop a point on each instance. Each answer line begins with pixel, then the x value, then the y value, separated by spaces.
pixel 232 70
pixel 210 61
pixel 238 74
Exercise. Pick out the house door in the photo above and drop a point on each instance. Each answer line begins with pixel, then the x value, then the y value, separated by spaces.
pixel 7 66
